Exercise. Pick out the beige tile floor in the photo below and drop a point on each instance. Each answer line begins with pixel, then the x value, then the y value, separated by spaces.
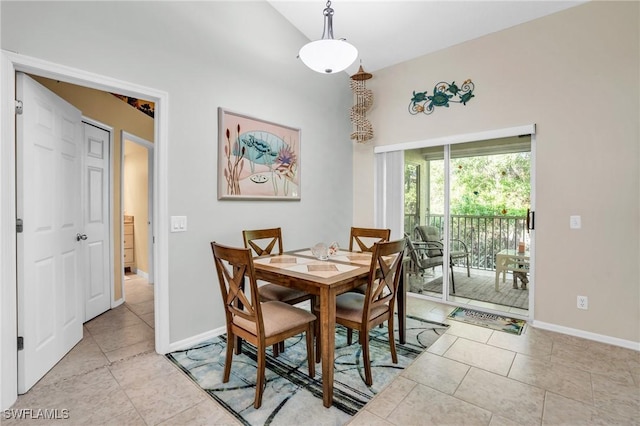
pixel 471 375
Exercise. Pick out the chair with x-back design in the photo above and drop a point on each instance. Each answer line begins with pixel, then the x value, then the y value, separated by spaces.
pixel 259 323
pixel 265 242
pixel 363 312
pixel 366 237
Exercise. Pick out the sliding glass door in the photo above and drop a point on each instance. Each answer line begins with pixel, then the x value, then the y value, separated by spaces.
pixel 471 199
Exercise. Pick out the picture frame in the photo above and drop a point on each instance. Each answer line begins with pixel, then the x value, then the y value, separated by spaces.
pixel 257 159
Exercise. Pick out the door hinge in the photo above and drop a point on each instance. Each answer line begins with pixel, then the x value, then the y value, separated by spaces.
pixel 19 225
pixel 20 343
pixel 531 220
pixel 18 107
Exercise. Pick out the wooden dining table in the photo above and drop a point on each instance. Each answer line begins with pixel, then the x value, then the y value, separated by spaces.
pixel 325 279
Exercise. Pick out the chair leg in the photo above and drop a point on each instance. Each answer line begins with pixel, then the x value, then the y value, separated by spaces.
pixel 349 336
pixel 311 363
pixel 238 345
pixel 368 379
pixel 453 283
pixel 229 357
pixel 468 268
pixel 392 341
pixel 260 379
pixel 277 349
pixel 317 336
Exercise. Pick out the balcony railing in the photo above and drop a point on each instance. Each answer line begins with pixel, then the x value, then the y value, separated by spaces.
pixel 484 236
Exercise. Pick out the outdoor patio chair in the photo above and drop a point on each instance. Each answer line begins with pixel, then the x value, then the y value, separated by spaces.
pixel 426 255
pixel 458 249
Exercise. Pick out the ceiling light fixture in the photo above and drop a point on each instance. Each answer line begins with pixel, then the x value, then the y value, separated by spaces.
pixel 328 55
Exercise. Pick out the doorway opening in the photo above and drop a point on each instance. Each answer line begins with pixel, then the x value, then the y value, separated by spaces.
pixel 13 63
pixel 137 204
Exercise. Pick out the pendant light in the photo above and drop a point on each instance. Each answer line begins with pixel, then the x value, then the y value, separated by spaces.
pixel 328 55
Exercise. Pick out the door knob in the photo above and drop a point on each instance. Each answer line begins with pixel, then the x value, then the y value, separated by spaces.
pixel 80 236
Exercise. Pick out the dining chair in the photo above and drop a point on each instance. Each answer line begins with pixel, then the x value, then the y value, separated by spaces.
pixel 366 237
pixel 363 312
pixel 264 242
pixel 269 241
pixel 260 323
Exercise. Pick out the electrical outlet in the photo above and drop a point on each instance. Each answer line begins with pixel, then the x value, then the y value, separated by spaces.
pixel 583 302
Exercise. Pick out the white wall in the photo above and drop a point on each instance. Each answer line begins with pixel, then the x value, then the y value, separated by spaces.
pixel 575 74
pixel 238 55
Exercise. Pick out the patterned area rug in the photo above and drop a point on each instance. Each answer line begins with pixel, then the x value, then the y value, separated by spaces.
pixel 291 397
pixel 492 321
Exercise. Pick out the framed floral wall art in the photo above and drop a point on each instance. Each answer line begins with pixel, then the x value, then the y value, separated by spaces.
pixel 257 159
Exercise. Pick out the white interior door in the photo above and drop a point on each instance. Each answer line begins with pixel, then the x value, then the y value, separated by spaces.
pixel 95 199
pixel 50 308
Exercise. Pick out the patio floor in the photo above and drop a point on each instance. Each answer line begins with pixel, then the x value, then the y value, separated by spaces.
pixel 480 287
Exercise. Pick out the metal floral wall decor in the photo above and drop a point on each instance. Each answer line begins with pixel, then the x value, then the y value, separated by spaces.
pixel 443 94
pixel 258 159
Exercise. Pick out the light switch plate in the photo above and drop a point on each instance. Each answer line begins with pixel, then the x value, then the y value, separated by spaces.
pixel 575 222
pixel 178 223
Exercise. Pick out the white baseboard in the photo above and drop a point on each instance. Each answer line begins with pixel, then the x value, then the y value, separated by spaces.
pixel 117 303
pixel 194 340
pixel 588 335
pixel 141 273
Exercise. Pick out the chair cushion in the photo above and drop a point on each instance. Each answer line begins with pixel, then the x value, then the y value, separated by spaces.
pixel 362 289
pixel 458 254
pixel 430 262
pixel 279 293
pixel 349 306
pixel 277 317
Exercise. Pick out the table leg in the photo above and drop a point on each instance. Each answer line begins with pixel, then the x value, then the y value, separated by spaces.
pixel 328 341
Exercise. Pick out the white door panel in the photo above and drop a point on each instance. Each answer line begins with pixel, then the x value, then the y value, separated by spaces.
pixel 96 221
pixel 50 311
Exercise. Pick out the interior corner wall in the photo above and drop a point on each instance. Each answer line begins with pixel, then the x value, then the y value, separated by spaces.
pixel 205 55
pixel 109 110
pixel 575 75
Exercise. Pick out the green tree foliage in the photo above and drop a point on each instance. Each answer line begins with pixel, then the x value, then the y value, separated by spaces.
pixel 410 189
pixel 491 185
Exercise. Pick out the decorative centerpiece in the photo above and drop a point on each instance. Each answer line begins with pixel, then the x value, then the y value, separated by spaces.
pixel 323 252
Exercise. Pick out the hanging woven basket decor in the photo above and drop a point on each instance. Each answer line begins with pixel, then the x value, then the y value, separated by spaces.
pixel 363 100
